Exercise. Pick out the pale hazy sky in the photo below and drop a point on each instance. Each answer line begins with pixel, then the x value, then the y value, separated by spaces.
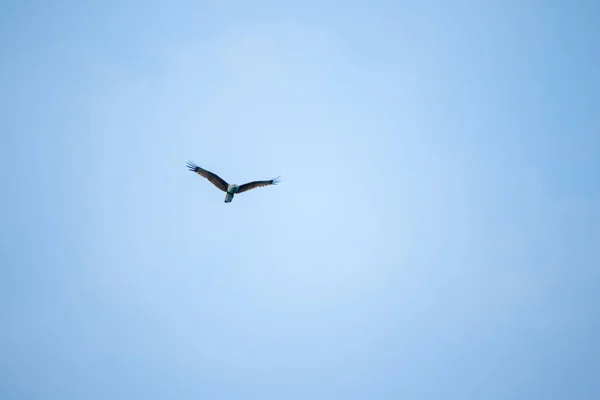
pixel 436 236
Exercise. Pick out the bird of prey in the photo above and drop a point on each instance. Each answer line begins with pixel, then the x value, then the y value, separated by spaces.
pixel 229 189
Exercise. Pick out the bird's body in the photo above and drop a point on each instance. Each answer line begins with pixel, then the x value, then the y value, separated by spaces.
pixel 232 189
pixel 229 188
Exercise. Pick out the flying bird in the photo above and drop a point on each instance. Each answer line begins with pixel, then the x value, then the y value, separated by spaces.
pixel 229 188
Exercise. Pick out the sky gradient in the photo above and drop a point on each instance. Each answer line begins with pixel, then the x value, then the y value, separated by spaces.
pixel 436 234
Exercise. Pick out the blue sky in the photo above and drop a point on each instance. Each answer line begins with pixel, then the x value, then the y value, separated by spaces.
pixel 437 233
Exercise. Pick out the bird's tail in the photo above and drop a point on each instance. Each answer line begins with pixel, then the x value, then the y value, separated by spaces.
pixel 228 197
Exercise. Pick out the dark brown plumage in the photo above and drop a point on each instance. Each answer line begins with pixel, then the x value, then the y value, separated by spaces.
pixel 213 178
pixel 230 189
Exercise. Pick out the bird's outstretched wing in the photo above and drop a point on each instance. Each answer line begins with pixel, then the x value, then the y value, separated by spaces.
pixel 251 185
pixel 213 178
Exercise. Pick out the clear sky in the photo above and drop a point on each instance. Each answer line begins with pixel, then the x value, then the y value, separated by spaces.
pixel 436 236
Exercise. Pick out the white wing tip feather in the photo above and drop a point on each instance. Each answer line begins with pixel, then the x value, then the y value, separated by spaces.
pixel 276 180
